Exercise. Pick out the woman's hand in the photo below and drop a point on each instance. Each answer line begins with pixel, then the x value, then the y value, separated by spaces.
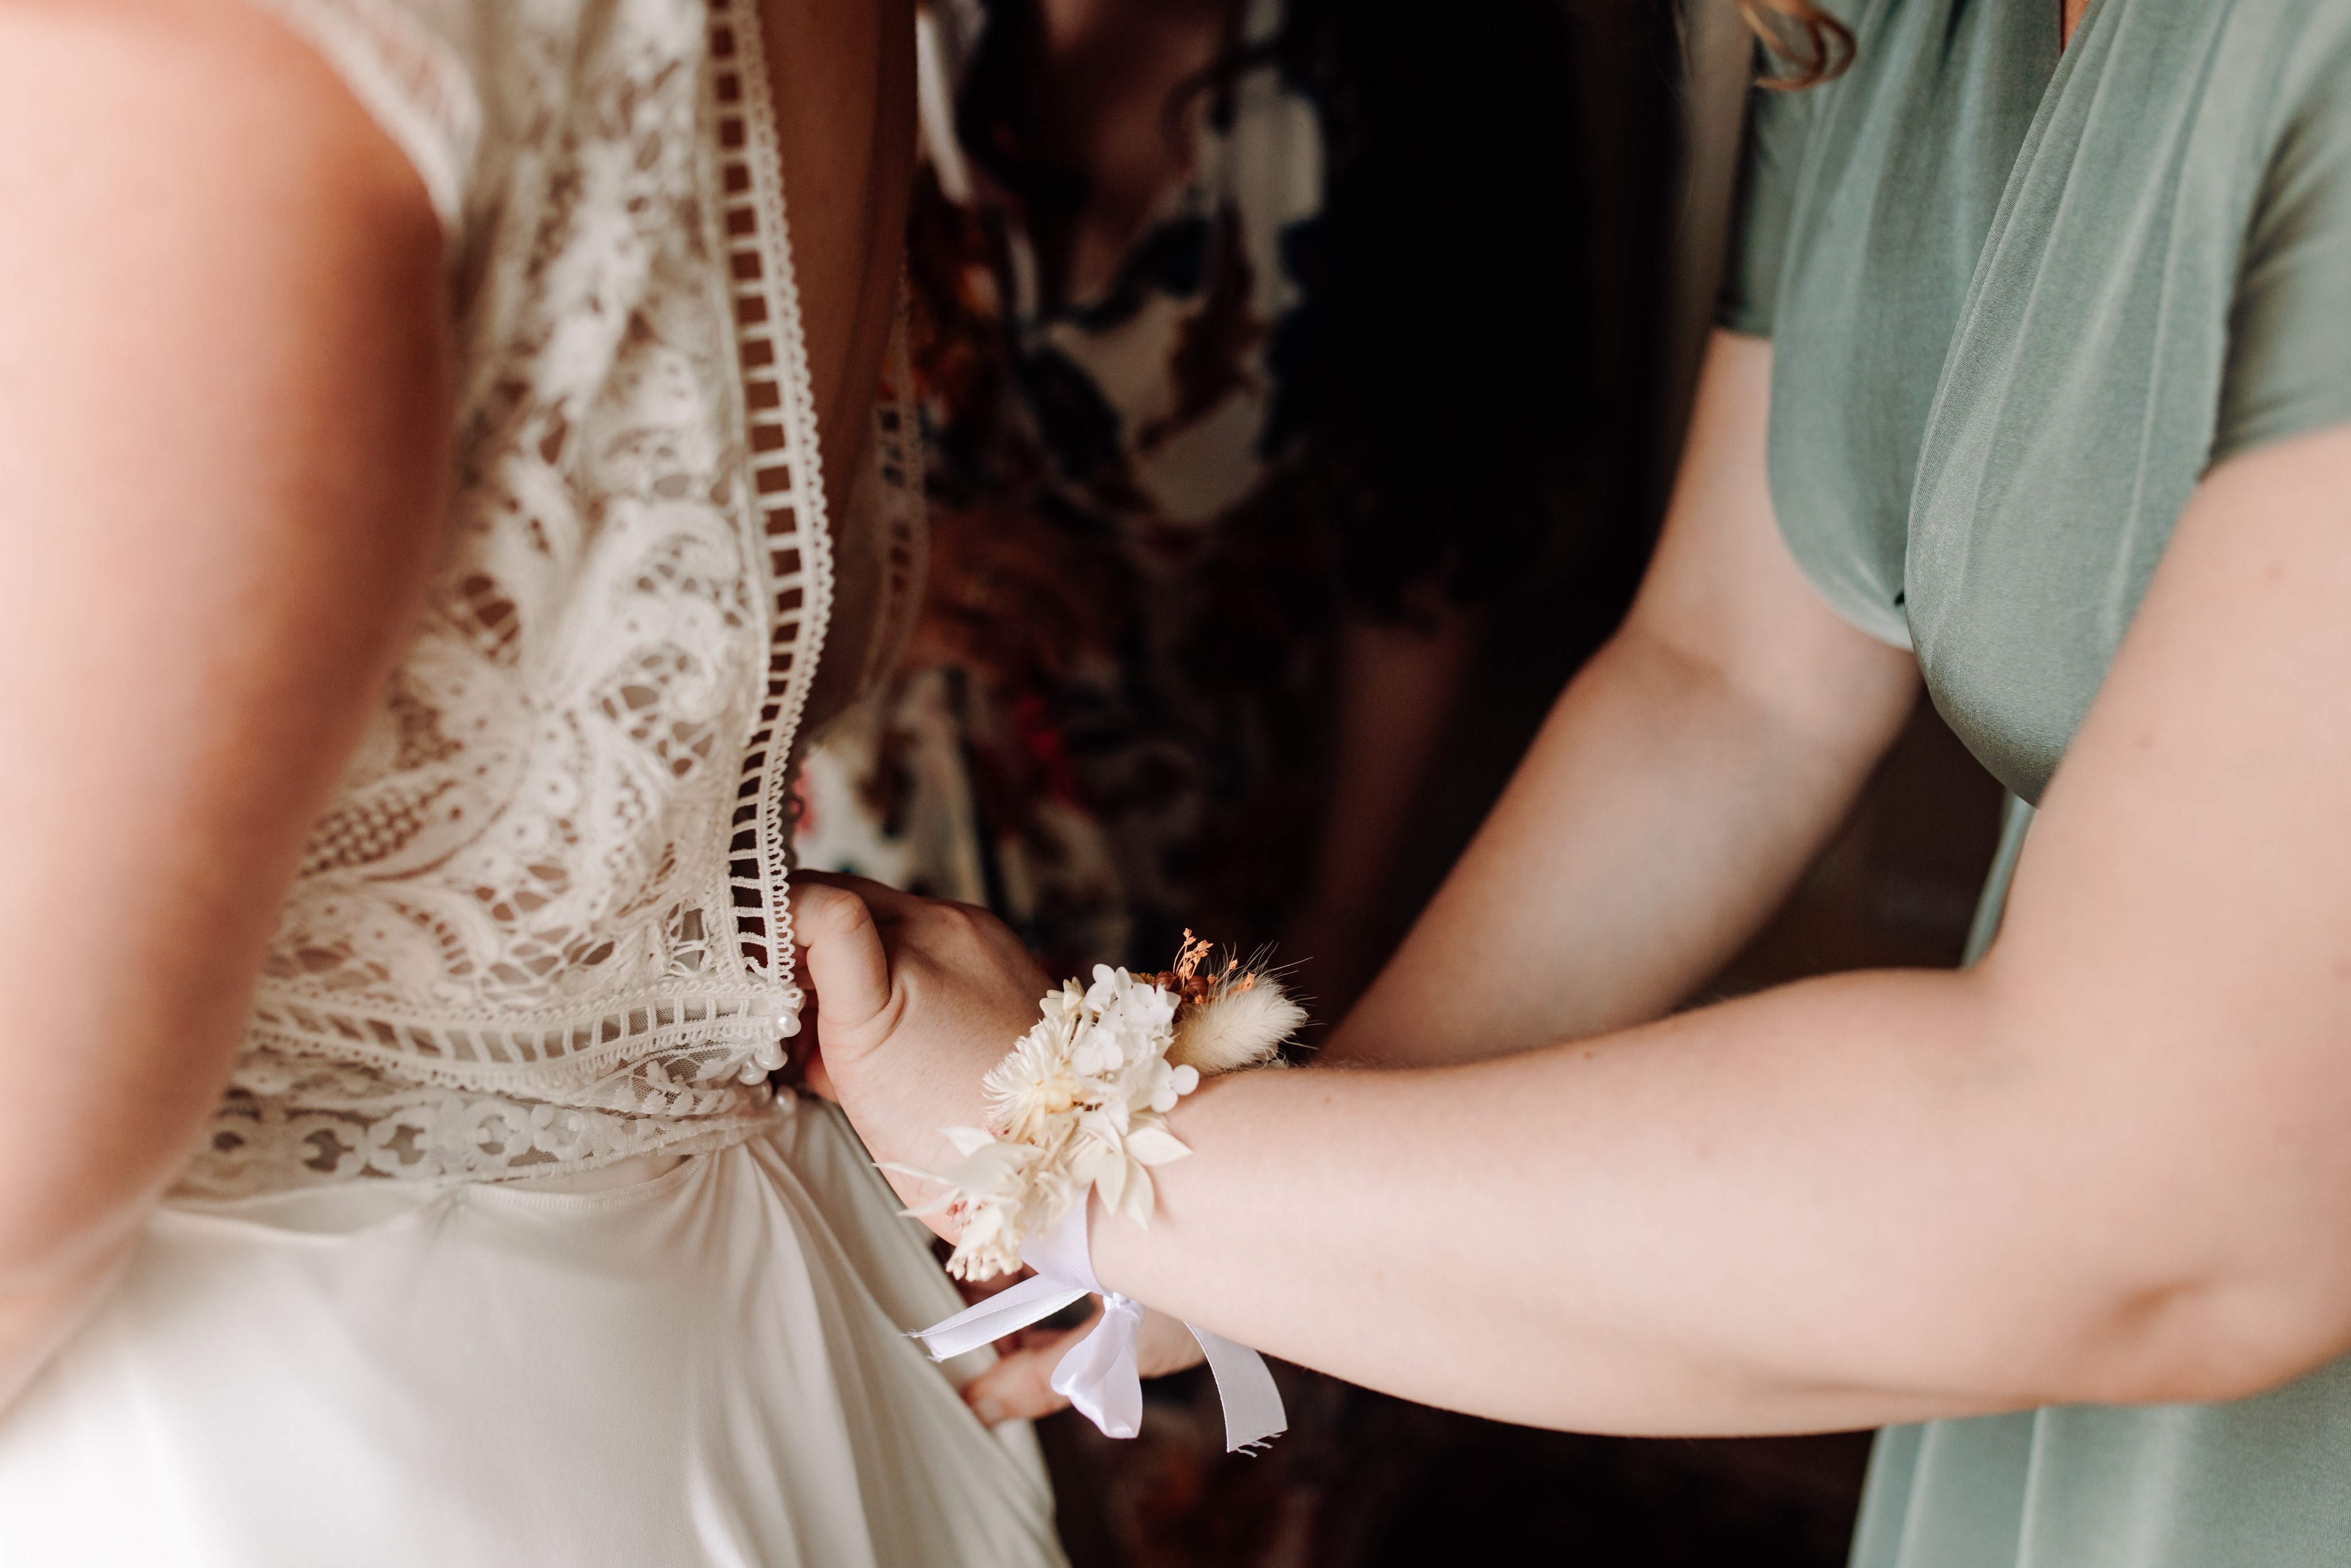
pixel 915 1000
pixel 1020 1387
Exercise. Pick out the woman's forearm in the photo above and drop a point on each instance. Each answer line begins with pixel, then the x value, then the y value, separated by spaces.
pixel 1863 1199
pixel 1657 822
pixel 1683 782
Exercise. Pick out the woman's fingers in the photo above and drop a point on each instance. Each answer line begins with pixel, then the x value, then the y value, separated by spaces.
pixel 916 1000
pixel 888 905
pixel 975 1291
pixel 842 954
pixel 1020 1387
pixel 1020 1384
pixel 815 1079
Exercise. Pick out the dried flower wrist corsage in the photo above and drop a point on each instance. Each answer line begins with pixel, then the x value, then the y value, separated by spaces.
pixel 1081 1106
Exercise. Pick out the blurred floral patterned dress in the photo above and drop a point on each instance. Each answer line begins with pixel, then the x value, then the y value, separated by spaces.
pixel 1111 722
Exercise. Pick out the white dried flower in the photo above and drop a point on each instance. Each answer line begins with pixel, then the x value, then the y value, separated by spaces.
pixel 1035 1091
pixel 988 1190
pixel 1116 1149
pixel 1081 1102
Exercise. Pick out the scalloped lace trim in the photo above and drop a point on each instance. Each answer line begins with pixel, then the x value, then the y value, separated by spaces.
pixel 786 486
pixel 292 1122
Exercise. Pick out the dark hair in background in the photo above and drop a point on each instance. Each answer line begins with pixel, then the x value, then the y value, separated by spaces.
pixel 1434 386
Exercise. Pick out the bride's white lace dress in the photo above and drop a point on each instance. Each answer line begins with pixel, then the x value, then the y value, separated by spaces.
pixel 417 1297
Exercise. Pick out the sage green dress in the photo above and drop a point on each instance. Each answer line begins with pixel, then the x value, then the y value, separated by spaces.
pixel 2021 300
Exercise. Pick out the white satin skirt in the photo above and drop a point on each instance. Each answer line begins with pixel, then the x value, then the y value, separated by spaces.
pixel 707 1367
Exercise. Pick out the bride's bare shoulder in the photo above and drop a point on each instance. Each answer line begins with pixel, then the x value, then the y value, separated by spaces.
pixel 119 101
pixel 210 255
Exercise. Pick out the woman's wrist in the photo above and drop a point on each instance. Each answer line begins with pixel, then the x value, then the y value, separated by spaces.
pixel 1078 1105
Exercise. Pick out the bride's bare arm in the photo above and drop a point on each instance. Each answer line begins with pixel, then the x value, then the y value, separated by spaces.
pixel 1682 781
pixel 223 449
pixel 2107 1165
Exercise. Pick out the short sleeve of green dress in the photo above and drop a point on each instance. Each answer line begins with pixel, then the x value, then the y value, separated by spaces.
pixel 1767 185
pixel 2020 301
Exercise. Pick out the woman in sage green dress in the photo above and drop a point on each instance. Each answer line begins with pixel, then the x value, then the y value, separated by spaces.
pixel 2035 381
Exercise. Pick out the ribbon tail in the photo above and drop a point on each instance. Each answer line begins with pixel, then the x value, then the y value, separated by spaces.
pixel 1253 1410
pixel 1101 1376
pixel 1007 1311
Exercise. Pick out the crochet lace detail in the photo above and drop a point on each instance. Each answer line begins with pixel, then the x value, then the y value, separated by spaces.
pixel 543 924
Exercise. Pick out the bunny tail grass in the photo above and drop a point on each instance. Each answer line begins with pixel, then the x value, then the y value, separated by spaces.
pixel 1242 1025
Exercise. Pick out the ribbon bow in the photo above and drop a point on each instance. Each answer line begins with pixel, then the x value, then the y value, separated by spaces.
pixel 1099 1374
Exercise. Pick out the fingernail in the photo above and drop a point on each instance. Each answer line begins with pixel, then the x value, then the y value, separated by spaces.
pixel 988 1411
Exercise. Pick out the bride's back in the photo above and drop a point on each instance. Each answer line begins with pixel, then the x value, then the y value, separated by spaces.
pixel 540 924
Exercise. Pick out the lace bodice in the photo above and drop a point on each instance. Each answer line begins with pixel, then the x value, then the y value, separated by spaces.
pixel 542 925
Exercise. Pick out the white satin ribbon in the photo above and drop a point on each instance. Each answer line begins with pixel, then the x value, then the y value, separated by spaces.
pixel 1099 1375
